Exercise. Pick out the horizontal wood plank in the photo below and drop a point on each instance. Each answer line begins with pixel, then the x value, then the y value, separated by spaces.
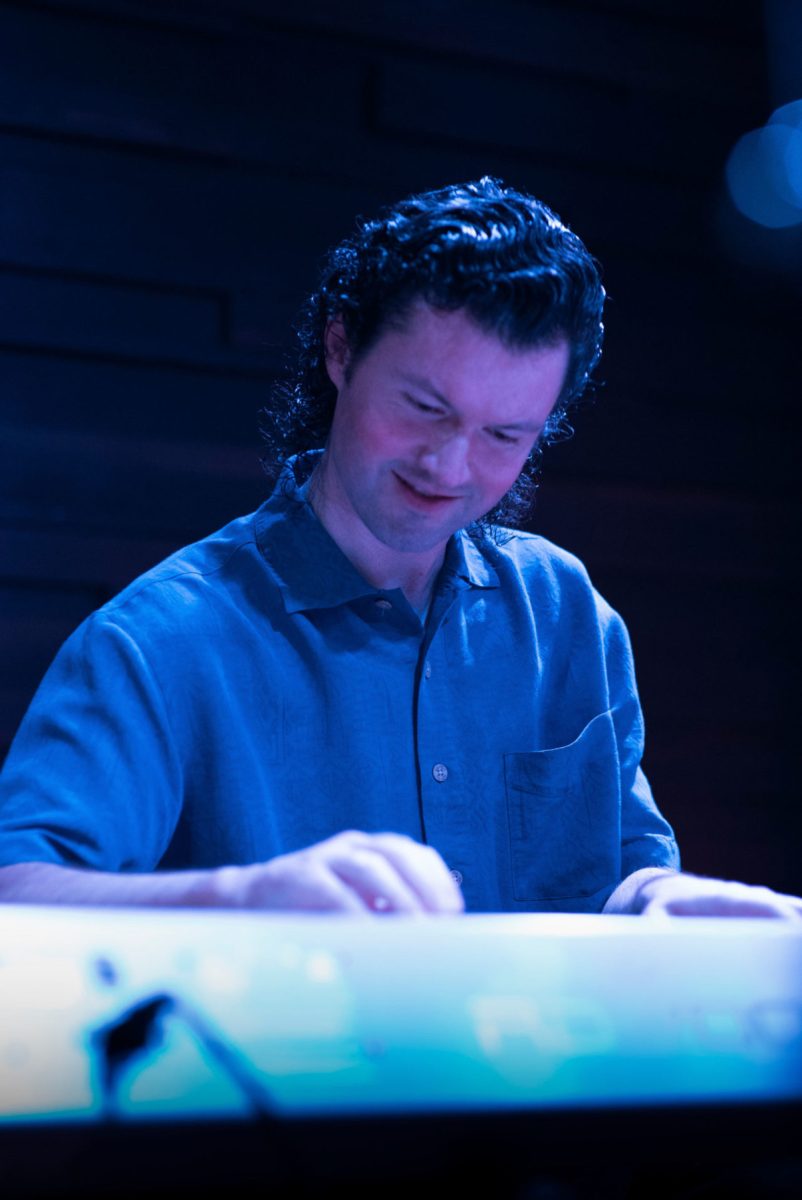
pixel 229 97
pixel 127 485
pixel 554 118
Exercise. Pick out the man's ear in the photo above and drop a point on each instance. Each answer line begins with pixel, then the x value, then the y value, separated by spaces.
pixel 335 346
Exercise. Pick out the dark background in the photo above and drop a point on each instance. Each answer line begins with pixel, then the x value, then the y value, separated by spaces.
pixel 170 175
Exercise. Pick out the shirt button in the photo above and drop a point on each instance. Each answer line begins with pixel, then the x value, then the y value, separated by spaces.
pixel 440 772
pixel 427 671
pixel 383 603
pixel 456 876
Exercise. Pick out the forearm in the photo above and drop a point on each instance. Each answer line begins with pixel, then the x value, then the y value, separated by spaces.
pixel 630 895
pixel 350 872
pixel 49 883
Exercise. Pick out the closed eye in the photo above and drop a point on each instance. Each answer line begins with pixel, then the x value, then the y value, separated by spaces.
pixel 507 439
pixel 421 407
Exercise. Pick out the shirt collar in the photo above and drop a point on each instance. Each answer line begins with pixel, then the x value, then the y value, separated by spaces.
pixel 311 569
pixel 465 565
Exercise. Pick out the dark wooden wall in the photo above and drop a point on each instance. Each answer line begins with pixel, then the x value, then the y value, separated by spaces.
pixel 171 174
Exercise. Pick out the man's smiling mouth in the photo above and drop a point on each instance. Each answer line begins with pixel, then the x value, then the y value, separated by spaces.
pixel 426 497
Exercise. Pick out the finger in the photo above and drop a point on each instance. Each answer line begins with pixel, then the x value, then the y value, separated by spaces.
pixel 795 902
pixel 327 892
pixel 423 870
pixel 728 905
pixel 375 880
pixel 655 910
pixel 697 896
pixel 292 882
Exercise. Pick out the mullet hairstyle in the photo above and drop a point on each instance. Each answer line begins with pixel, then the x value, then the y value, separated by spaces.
pixel 497 253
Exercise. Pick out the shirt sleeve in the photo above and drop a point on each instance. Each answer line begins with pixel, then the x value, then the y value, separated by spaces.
pixel 92 778
pixel 647 839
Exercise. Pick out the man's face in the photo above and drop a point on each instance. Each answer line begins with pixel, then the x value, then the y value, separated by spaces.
pixel 433 426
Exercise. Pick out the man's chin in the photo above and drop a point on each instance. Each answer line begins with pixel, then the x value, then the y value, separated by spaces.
pixel 414 541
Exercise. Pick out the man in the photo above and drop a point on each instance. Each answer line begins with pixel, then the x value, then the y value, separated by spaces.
pixel 370 696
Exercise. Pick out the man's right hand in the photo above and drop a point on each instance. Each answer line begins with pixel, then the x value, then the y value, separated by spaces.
pixel 351 872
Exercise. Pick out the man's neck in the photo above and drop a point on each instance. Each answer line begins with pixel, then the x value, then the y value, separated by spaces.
pixel 382 566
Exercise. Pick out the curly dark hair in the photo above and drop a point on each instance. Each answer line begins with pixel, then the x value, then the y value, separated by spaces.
pixel 499 254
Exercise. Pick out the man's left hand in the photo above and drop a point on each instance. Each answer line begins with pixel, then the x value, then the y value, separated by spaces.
pixel 684 895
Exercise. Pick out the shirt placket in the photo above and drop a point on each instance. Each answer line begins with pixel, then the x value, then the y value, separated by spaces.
pixel 445 817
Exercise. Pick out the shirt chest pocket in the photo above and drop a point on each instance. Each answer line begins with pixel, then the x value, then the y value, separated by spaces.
pixel 564 816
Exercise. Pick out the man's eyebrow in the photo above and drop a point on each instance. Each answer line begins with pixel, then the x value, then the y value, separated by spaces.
pixel 424 385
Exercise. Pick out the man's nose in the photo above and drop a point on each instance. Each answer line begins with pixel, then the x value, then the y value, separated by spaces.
pixel 448 461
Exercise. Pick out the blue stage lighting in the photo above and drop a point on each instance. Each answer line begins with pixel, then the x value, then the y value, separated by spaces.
pixel 764 171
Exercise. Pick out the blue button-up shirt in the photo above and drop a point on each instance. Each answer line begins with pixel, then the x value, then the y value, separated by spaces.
pixel 253 694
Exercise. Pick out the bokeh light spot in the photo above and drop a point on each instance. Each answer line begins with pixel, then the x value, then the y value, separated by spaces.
pixel 764 173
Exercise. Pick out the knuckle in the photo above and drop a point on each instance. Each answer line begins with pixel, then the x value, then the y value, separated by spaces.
pixel 400 840
pixel 348 835
pixel 360 857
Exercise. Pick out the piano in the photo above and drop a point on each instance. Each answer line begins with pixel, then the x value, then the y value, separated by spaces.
pixel 247 1050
